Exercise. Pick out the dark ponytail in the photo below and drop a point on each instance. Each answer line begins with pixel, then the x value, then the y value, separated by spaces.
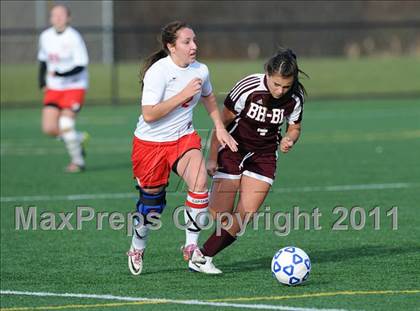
pixel 168 35
pixel 284 63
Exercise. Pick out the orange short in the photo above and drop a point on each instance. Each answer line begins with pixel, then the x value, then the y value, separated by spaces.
pixel 65 99
pixel 153 161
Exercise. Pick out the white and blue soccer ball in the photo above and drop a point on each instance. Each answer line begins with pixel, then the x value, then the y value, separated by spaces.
pixel 291 266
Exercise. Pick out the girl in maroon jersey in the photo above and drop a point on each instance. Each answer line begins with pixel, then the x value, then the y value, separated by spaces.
pixel 254 112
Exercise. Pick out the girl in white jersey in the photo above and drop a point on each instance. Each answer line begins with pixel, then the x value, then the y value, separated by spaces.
pixel 64 79
pixel 165 139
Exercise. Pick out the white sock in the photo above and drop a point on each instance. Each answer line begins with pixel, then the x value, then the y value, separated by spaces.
pixel 140 235
pixel 72 139
pixel 195 213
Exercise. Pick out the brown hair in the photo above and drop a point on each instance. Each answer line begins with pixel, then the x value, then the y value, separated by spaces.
pixel 65 7
pixel 167 36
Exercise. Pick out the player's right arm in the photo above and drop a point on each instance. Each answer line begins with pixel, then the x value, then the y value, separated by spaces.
pixel 153 111
pixel 42 58
pixel 41 75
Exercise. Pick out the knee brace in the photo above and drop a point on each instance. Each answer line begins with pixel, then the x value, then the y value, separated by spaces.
pixel 148 203
pixel 66 124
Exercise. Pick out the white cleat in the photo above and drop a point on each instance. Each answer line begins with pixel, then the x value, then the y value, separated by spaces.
pixel 207 268
pixel 135 260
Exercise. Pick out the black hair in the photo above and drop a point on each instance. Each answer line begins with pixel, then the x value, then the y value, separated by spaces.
pixel 284 63
pixel 167 36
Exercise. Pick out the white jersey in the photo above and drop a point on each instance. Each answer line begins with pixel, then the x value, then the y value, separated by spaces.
pixel 62 52
pixel 163 80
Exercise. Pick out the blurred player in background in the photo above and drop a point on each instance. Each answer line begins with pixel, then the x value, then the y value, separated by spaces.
pixel 165 139
pixel 254 112
pixel 63 77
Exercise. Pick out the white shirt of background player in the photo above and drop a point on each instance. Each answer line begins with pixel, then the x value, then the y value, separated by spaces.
pixel 62 52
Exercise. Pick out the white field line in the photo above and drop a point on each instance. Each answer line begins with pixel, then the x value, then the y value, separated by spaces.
pixel 170 301
pixel 133 195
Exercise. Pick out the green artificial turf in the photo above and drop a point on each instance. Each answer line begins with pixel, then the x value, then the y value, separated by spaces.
pixel 354 143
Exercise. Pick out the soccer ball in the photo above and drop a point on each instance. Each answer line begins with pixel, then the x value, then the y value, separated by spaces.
pixel 291 266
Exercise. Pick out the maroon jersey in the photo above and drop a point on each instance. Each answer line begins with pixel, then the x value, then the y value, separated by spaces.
pixel 259 116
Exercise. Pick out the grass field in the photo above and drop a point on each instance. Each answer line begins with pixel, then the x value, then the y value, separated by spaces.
pixel 352 153
pixel 328 77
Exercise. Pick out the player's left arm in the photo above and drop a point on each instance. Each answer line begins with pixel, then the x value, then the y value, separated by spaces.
pixel 41 75
pixel 222 135
pixel 42 57
pixel 291 137
pixel 71 72
pixel 293 124
pixel 80 58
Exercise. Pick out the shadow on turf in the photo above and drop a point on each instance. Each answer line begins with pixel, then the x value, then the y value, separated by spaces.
pixel 261 263
pixel 337 255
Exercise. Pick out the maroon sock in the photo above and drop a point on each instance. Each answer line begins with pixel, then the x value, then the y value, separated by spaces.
pixel 215 243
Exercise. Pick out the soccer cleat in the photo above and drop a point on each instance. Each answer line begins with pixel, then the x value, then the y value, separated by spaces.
pixel 207 268
pixel 192 252
pixel 74 168
pixel 198 257
pixel 135 260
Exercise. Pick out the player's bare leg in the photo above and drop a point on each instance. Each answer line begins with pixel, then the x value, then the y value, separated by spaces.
pixel 252 195
pixel 191 167
pixel 50 116
pixel 223 194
